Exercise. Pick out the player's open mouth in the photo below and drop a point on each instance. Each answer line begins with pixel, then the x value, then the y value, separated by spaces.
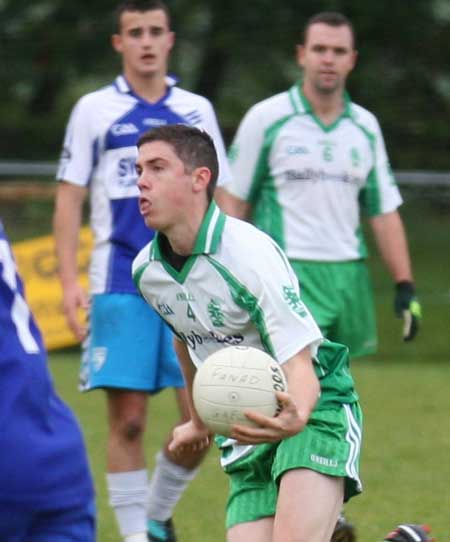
pixel 144 206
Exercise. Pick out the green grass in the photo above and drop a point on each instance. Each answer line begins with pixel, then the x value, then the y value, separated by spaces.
pixel 405 465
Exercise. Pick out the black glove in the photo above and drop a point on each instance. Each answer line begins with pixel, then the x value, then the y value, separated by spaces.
pixel 410 533
pixel 407 306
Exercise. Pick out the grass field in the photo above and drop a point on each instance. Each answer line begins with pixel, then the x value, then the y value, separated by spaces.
pixel 405 394
pixel 405 464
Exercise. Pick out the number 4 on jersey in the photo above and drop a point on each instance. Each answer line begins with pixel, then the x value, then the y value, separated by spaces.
pixel 190 313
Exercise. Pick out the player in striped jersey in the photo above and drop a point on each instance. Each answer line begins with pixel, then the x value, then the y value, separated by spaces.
pixel 129 350
pixel 46 490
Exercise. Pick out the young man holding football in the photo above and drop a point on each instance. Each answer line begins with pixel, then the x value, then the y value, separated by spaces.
pixel 289 476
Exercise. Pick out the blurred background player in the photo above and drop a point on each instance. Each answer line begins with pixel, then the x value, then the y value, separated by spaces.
pixel 46 490
pixel 128 351
pixel 305 164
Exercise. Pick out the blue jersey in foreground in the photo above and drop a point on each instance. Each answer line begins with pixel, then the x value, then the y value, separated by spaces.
pixel 43 460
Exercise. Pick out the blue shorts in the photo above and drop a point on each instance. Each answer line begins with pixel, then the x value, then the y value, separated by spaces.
pixel 129 347
pixel 21 523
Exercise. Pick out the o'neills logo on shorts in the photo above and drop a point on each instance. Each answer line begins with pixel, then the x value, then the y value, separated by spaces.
pixel 326 461
pixel 99 357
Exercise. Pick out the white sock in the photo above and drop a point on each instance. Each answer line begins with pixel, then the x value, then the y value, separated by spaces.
pixel 168 483
pixel 137 537
pixel 128 496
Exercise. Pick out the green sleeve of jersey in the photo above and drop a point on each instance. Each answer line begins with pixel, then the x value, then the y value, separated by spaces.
pixel 137 274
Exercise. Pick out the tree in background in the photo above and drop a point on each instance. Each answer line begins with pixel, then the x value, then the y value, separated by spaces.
pixel 53 51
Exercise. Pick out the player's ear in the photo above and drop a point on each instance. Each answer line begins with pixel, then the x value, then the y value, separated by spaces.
pixel 171 40
pixel 116 42
pixel 354 58
pixel 300 53
pixel 201 177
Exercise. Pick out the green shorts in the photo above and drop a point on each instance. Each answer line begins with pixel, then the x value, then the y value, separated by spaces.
pixel 339 296
pixel 330 444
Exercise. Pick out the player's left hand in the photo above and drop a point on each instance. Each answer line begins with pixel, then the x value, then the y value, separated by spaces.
pixel 271 429
pixel 407 306
pixel 189 437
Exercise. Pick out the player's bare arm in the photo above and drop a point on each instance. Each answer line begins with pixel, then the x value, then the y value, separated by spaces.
pixel 66 227
pixel 296 405
pixel 392 244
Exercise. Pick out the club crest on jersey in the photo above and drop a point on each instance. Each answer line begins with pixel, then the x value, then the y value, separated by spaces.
pixel 215 313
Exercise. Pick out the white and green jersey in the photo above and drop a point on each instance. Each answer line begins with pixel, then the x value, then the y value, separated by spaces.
pixel 306 181
pixel 237 287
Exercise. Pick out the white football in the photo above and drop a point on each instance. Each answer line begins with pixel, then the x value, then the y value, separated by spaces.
pixel 233 380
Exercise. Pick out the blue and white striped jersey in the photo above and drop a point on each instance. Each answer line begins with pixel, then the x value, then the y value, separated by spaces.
pixel 42 457
pixel 100 152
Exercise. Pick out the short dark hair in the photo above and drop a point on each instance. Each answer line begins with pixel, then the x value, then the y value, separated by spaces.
pixel 141 6
pixel 194 147
pixel 331 18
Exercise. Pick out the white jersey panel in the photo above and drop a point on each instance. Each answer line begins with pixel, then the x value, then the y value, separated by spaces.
pixel 244 292
pixel 248 145
pixel 109 173
pixel 390 198
pixel 305 181
pixel 92 117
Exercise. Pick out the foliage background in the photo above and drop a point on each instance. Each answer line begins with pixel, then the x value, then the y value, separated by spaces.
pixel 52 51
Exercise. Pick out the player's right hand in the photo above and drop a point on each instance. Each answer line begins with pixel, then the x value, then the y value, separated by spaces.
pixel 407 306
pixel 74 299
pixel 189 436
pixel 287 423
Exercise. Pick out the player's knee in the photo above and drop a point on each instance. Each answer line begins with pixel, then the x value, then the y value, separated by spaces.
pixel 130 429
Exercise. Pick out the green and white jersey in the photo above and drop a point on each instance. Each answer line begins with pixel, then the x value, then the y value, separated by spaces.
pixel 238 287
pixel 306 181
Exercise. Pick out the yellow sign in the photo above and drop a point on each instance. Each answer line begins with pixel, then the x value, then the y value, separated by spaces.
pixel 37 265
